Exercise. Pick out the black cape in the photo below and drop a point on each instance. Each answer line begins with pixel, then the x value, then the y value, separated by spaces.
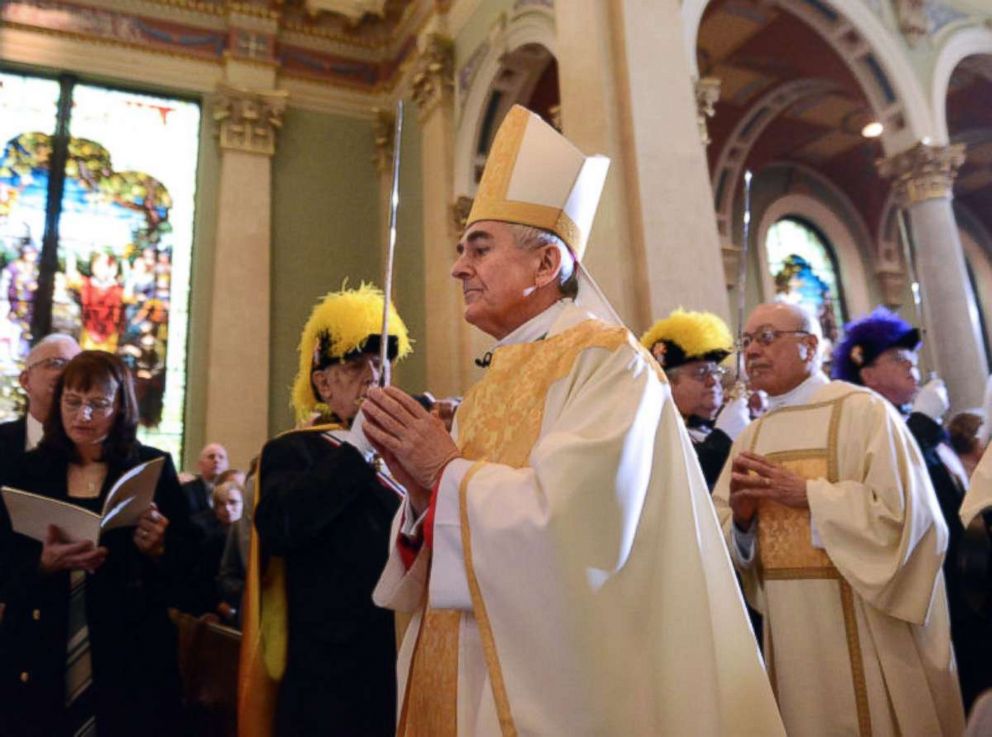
pixel 324 511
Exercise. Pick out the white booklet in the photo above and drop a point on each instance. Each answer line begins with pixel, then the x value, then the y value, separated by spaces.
pixel 129 498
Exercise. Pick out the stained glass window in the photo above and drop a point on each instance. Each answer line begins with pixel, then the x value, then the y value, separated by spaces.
pixel 803 269
pixel 121 232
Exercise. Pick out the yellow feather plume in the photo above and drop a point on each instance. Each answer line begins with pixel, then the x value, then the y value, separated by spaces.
pixel 696 333
pixel 348 318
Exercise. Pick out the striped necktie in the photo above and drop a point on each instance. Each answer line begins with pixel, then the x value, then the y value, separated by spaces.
pixel 78 667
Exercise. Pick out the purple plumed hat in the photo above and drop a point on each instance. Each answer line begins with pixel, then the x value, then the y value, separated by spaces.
pixel 865 339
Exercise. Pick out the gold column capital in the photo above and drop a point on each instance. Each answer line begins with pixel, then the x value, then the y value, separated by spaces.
pixel 248 119
pixel 707 94
pixel 434 72
pixel 913 19
pixel 924 172
pixel 384 133
pixel 460 210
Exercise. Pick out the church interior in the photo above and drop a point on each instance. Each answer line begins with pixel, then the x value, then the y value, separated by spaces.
pixel 181 181
pixel 844 110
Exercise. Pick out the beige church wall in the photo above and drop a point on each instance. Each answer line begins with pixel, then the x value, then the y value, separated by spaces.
pixel 201 279
pixel 325 228
pixel 472 26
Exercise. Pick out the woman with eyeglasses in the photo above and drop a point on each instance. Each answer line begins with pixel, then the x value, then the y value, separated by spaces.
pixel 86 645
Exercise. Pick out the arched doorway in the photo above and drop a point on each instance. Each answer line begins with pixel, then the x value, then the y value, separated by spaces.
pixel 527 76
pixel 968 121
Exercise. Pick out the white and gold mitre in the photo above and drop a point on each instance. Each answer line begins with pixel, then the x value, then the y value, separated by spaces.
pixel 535 176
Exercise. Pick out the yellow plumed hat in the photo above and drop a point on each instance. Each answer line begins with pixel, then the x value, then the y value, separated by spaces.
pixel 342 325
pixel 689 336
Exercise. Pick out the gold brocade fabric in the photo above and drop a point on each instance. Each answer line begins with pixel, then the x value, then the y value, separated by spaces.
pixel 784 538
pixel 499 421
pixel 430 708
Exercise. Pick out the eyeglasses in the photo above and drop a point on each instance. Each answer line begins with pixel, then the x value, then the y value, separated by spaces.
pixel 905 358
pixel 50 364
pixel 700 373
pixel 100 406
pixel 767 336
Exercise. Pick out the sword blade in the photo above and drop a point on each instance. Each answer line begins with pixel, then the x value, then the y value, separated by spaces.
pixel 742 273
pixel 385 377
pixel 909 255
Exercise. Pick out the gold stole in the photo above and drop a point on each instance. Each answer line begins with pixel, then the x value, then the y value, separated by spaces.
pixel 499 422
pixel 785 547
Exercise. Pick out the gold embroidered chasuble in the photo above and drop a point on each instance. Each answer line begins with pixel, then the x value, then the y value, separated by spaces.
pixel 593 565
pixel 856 631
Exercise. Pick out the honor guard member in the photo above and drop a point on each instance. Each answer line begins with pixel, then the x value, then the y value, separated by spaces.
pixel 880 351
pixel 690 347
pixel 318 657
pixel 559 549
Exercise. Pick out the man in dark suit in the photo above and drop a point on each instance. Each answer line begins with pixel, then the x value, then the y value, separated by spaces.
pixel 42 369
pixel 211 464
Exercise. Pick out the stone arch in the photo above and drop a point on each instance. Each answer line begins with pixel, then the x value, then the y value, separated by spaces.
pixel 529 33
pixel 730 164
pixel 959 45
pixel 868 48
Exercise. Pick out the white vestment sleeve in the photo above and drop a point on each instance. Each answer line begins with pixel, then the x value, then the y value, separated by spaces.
pixel 412 525
pixel 882 526
pixel 742 551
pixel 449 585
pixel 401 588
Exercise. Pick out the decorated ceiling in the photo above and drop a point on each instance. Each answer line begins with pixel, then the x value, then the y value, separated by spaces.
pixel 350 43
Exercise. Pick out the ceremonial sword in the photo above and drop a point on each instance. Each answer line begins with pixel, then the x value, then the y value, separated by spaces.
pixel 742 275
pixel 387 288
pixel 909 254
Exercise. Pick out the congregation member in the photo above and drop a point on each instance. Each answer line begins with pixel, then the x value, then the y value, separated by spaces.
pixel 832 520
pixel 318 657
pixel 690 347
pixel 211 463
pixel 964 432
pixel 42 368
pixel 212 527
pixel 86 644
pixel 559 551
pixel 881 351
pixel 234 561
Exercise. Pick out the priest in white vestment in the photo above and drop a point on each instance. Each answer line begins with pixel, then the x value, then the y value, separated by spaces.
pixel 566 571
pixel 832 520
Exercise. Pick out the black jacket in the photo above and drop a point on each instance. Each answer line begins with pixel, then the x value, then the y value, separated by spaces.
pixel 322 509
pixel 197 495
pixel 712 453
pixel 132 641
pixel 971 632
pixel 13 436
